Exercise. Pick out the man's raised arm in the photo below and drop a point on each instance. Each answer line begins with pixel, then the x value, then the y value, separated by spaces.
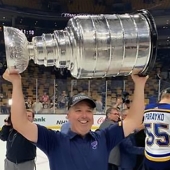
pixel 136 111
pixel 18 111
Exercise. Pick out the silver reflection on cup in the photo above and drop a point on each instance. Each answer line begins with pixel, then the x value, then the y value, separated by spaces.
pixel 90 46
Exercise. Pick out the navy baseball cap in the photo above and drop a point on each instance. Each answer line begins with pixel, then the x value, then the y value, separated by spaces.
pixel 80 97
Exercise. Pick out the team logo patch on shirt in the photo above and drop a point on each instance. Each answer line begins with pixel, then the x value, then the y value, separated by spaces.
pixel 94 145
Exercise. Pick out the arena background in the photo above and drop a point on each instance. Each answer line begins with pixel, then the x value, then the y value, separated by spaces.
pixel 35 17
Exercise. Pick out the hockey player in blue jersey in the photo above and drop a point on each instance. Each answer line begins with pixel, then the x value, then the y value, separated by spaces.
pixel 157 128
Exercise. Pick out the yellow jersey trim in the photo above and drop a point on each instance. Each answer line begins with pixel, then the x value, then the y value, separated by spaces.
pixel 157 159
pixel 157 110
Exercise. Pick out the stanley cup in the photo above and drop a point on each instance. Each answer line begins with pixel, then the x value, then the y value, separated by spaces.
pixel 91 46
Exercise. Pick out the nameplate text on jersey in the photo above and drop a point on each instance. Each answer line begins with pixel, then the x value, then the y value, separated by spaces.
pixel 154 116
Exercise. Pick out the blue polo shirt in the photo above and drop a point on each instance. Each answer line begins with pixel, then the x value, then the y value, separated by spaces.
pixel 73 152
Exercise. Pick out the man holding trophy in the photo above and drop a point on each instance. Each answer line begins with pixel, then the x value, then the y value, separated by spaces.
pixel 94 46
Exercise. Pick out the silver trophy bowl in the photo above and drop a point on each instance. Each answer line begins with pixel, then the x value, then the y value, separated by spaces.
pixel 90 46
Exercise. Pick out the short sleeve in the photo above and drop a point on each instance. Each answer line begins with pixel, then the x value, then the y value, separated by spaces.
pixel 114 135
pixel 48 139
